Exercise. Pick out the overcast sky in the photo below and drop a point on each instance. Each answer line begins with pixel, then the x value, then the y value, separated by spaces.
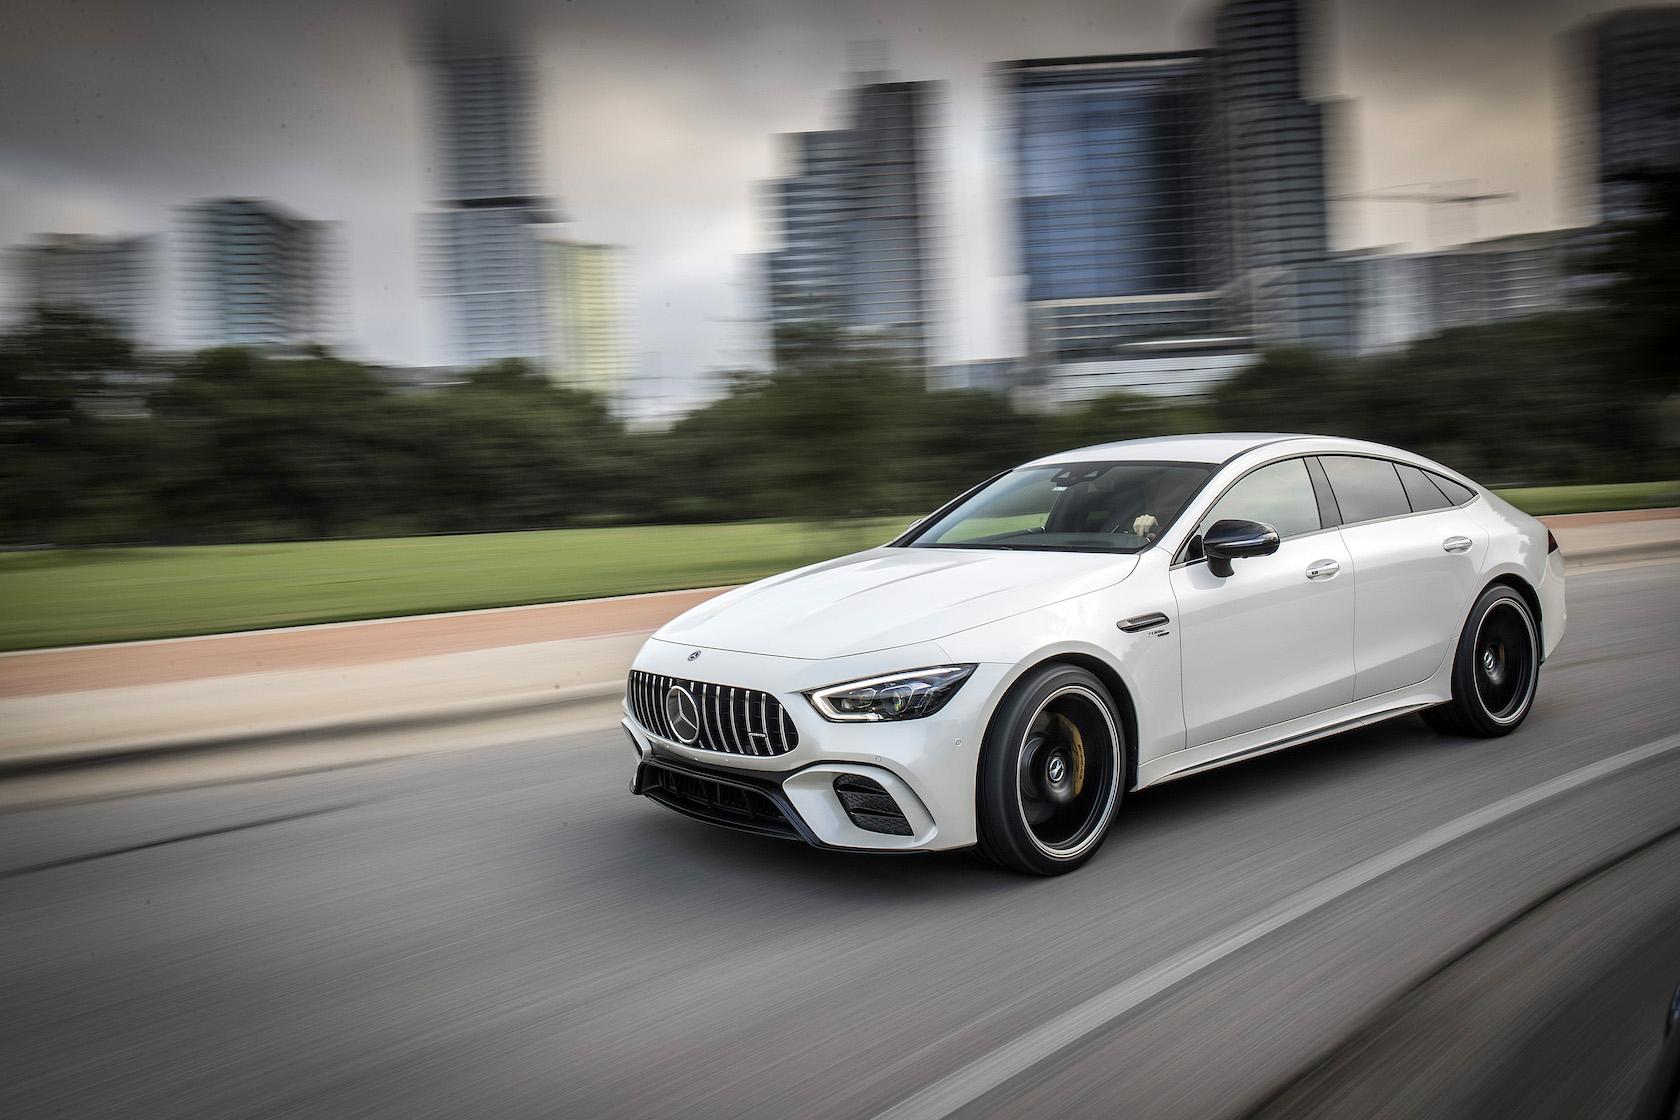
pixel 658 117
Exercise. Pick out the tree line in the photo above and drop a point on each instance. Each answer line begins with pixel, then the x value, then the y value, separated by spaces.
pixel 101 444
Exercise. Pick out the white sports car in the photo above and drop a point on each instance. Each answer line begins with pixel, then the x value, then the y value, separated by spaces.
pixel 1089 624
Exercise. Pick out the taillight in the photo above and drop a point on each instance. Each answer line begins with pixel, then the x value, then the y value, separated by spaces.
pixel 1551 543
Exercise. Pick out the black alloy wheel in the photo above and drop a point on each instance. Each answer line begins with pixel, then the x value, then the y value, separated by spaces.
pixel 1051 772
pixel 1496 668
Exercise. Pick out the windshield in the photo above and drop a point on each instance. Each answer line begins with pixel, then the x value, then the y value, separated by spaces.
pixel 1069 507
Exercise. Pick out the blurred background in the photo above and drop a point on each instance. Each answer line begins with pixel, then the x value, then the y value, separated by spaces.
pixel 373 313
pixel 384 270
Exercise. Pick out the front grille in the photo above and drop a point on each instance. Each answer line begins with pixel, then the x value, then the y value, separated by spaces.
pixel 725 803
pixel 869 806
pixel 732 720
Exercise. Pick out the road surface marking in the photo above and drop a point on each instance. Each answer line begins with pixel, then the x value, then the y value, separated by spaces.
pixel 967 1084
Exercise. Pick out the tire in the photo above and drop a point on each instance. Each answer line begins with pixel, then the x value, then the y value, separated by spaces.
pixel 1496 668
pixel 1052 772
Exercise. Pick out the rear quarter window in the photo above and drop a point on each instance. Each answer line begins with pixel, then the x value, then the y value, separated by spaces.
pixel 1457 493
pixel 1366 489
pixel 1420 490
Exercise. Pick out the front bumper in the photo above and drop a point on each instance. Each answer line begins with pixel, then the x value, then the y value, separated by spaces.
pixel 926 766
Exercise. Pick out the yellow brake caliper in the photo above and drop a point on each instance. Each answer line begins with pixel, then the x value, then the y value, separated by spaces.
pixel 1070 731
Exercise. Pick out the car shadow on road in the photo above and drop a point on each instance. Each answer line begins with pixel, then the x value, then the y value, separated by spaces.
pixel 692 853
pixel 777 862
pixel 1364 750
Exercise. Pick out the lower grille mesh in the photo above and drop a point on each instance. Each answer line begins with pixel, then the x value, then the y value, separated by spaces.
pixel 718 802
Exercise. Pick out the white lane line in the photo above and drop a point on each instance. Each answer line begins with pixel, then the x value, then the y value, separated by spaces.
pixel 968 1084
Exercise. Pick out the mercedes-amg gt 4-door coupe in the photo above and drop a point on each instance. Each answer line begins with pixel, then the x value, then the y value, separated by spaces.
pixel 1089 624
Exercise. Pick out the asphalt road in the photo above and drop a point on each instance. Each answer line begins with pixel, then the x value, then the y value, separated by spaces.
pixel 505 932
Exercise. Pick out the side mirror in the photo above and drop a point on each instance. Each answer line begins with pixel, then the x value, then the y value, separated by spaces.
pixel 1234 539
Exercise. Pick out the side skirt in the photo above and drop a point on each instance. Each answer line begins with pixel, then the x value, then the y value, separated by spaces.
pixel 1360 713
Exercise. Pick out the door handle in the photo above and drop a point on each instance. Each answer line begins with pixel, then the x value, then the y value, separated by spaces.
pixel 1322 569
pixel 1457 544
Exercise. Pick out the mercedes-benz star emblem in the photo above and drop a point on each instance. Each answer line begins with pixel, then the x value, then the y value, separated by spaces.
pixel 683 713
pixel 1056 768
pixel 693 655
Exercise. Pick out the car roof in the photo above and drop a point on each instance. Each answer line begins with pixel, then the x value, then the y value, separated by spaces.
pixel 1214 447
pixel 1220 448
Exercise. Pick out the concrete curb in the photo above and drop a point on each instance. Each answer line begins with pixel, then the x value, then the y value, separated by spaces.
pixel 282 734
pixel 1621 554
pixel 474 711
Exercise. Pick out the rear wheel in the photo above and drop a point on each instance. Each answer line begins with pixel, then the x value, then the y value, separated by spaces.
pixel 1496 669
pixel 1051 772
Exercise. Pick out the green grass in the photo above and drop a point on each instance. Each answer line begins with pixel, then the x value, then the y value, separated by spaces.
pixel 1542 500
pixel 72 597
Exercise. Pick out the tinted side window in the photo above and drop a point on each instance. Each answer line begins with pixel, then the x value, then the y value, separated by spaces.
pixel 1366 489
pixel 1457 493
pixel 1422 493
pixel 1281 495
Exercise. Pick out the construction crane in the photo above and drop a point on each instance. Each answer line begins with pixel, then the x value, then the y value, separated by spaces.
pixel 1435 198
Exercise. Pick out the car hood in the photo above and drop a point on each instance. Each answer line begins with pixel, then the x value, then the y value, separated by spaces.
pixel 889 597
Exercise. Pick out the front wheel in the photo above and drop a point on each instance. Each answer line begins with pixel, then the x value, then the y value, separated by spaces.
pixel 1051 772
pixel 1496 669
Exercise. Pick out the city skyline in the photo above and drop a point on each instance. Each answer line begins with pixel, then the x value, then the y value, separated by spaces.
pixel 660 142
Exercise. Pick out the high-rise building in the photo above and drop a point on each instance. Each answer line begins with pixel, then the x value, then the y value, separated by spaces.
pixel 806 277
pixel 114 278
pixel 255 275
pixel 588 321
pixel 1274 177
pixel 852 222
pixel 1393 304
pixel 1402 297
pixel 1271 135
pixel 1173 208
pixel 486 263
pixel 1111 160
pixel 1627 111
pixel 484 239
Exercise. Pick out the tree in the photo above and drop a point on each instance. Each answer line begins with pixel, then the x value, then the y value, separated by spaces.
pixel 58 461
pixel 1640 299
pixel 1292 389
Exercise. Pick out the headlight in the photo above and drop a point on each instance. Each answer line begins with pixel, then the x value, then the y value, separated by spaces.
pixel 911 695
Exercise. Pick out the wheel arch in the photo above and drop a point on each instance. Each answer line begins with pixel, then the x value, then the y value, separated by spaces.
pixel 1117 688
pixel 1516 582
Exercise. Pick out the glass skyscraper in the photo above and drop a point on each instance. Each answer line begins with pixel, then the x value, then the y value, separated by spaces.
pixel 114 278
pixel 1274 196
pixel 807 274
pixel 255 275
pixel 852 223
pixel 1628 111
pixel 1112 158
pixel 482 243
pixel 1172 208
pixel 1271 136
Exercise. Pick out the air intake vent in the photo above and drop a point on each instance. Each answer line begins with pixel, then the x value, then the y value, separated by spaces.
pixel 706 799
pixel 723 718
pixel 870 807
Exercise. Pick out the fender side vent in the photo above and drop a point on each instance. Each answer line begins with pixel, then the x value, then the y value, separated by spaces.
pixel 869 806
